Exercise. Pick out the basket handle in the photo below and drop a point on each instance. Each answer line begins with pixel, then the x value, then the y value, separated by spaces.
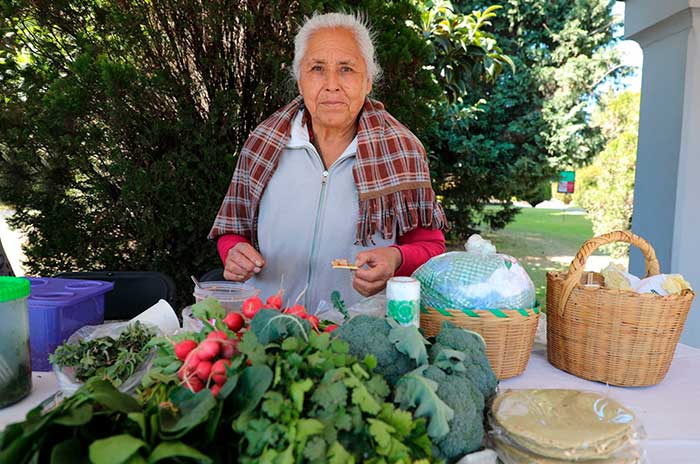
pixel 578 264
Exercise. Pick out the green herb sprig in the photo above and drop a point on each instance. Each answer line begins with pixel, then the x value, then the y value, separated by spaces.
pixel 110 359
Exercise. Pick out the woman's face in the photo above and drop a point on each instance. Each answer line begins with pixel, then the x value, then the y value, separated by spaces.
pixel 333 79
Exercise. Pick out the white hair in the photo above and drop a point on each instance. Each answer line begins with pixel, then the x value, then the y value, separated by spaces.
pixel 352 22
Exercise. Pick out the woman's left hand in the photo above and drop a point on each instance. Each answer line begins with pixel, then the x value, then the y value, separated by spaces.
pixel 381 263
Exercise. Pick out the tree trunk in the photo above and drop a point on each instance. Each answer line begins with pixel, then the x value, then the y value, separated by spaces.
pixel 5 268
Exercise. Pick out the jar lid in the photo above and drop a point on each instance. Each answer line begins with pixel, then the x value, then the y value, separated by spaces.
pixel 13 288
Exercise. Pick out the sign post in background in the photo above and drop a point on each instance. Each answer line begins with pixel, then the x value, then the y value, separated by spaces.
pixel 567 179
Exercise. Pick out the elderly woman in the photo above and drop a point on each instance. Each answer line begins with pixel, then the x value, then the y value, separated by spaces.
pixel 330 175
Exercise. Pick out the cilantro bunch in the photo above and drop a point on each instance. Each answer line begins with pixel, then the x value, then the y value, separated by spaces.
pixel 324 406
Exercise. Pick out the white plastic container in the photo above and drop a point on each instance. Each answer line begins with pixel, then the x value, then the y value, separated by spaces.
pixel 231 295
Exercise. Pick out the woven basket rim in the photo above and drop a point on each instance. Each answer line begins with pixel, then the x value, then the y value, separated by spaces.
pixel 514 313
pixel 685 293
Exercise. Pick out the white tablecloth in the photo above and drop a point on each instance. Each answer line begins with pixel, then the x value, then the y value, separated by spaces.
pixel 670 411
pixel 44 384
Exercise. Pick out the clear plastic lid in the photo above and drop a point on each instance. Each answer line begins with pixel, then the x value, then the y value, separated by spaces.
pixel 224 291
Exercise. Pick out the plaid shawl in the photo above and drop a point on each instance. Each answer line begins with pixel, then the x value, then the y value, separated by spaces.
pixel 390 171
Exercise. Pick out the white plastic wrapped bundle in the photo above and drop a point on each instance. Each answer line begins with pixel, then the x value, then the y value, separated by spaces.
pixel 478 278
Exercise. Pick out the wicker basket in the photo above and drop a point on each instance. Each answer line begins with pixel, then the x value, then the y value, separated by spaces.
pixel 619 337
pixel 508 334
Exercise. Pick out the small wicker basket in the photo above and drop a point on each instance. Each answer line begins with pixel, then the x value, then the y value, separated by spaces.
pixel 509 334
pixel 619 337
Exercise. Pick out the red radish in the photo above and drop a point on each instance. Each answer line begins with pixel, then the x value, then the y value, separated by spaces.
pixel 251 306
pixel 217 334
pixel 296 310
pixel 275 300
pixel 215 390
pixel 269 306
pixel 191 362
pixel 183 348
pixel 218 371
pixel 229 349
pixel 195 384
pixel 203 370
pixel 207 350
pixel 330 328
pixel 313 320
pixel 234 321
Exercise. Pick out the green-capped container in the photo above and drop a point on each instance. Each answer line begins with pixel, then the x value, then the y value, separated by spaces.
pixel 15 359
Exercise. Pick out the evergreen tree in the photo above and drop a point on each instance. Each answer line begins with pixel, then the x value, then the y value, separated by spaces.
pixel 120 120
pixel 535 120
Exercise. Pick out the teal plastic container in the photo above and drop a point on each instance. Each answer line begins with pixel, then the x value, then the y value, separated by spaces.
pixel 15 358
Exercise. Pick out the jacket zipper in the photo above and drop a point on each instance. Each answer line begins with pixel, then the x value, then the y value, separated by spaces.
pixel 314 247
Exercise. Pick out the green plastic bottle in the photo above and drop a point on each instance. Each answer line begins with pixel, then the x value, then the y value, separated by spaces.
pixel 15 357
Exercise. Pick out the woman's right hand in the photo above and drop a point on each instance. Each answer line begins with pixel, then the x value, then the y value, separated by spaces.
pixel 242 263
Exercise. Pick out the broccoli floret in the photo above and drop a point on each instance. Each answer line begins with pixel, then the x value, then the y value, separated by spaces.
pixel 466 427
pixel 477 367
pixel 370 335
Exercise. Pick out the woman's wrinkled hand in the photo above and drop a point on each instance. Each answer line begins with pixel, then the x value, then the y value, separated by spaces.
pixel 242 263
pixel 376 267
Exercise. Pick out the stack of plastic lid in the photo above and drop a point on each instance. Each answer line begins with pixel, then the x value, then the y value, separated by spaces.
pixel 561 426
pixel 231 295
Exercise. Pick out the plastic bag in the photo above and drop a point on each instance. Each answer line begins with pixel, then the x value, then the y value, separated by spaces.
pixel 374 305
pixel 560 426
pixel 661 284
pixel 68 384
pixel 189 322
pixel 478 278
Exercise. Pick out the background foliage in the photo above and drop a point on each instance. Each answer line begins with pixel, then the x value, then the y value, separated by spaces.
pixel 606 188
pixel 120 120
pixel 535 120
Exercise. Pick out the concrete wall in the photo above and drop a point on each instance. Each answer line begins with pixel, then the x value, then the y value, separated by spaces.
pixel 667 186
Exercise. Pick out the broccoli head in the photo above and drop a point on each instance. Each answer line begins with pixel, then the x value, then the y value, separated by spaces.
pixel 370 335
pixel 467 426
pixel 476 364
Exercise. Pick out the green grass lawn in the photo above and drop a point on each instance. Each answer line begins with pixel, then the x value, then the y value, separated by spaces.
pixel 541 239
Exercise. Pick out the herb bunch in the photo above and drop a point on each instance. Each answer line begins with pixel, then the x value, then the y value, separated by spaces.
pixel 109 359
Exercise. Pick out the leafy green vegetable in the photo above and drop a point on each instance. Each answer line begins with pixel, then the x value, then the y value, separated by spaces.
pixel 169 450
pixel 105 357
pixel 323 405
pixel 208 309
pixel 115 450
pixel 367 335
pixel 471 345
pixel 339 304
pixel 272 326
pixel 409 341
pixel 416 391
pixel 466 428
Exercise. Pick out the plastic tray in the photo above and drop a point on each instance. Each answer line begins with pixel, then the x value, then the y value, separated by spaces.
pixel 59 307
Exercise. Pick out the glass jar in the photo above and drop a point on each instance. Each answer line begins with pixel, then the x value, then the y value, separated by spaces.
pixel 15 359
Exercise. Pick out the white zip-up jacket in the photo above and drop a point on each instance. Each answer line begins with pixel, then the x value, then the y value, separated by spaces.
pixel 307 217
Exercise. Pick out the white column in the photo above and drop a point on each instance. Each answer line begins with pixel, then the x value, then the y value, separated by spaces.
pixel 667 185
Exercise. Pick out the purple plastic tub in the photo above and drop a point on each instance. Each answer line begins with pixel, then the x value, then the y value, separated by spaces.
pixel 59 307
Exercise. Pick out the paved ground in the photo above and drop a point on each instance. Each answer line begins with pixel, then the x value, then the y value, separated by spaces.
pixel 12 243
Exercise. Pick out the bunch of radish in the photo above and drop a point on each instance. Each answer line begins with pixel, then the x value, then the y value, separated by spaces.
pixel 252 305
pixel 205 364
